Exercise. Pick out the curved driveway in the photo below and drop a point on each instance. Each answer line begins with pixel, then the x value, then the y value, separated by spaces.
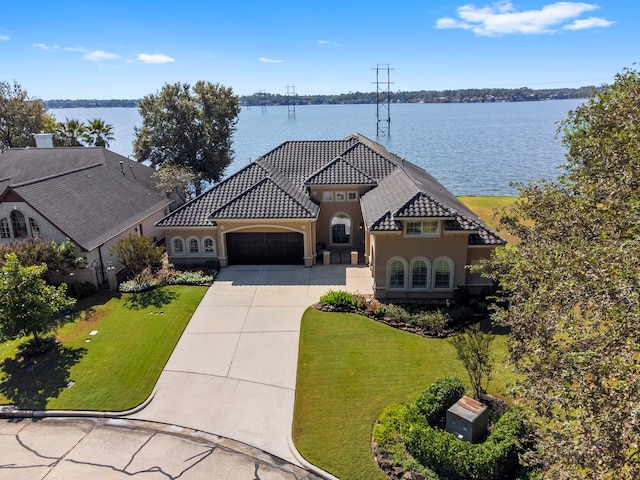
pixel 233 372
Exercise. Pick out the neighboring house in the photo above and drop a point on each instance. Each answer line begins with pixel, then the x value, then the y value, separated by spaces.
pixel 305 198
pixel 89 195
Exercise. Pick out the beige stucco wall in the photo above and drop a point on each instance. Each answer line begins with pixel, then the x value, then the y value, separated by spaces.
pixel 454 246
pixel 329 208
pixel 218 234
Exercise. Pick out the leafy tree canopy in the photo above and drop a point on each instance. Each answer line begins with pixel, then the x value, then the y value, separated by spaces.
pixel 572 292
pixel 27 303
pixel 186 126
pixel 20 117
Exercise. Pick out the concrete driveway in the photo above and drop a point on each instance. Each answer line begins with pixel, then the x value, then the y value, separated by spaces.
pixel 233 372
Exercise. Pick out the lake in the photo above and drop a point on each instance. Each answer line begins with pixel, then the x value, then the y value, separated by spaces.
pixel 471 148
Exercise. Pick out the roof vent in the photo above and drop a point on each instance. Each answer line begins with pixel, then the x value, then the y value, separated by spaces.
pixel 43 140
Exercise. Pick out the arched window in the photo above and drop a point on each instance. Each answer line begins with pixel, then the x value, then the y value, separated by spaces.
pixel 19 224
pixel 443 273
pixel 4 228
pixel 194 246
pixel 397 272
pixel 209 246
pixel 420 273
pixel 35 228
pixel 177 245
pixel 341 229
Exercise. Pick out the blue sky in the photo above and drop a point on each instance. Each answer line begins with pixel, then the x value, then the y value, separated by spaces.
pixel 128 49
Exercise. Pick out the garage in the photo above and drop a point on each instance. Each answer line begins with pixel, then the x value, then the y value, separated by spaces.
pixel 260 248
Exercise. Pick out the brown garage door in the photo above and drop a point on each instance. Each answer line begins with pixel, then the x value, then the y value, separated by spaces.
pixel 265 248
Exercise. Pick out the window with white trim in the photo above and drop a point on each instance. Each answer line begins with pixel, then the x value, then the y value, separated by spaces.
pixel 35 228
pixel 396 272
pixel 443 273
pixel 341 229
pixel 422 228
pixel 209 246
pixel 194 246
pixel 178 246
pixel 4 228
pixel 420 273
pixel 19 224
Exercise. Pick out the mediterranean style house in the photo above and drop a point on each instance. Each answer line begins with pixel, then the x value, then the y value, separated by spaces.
pixel 89 195
pixel 309 202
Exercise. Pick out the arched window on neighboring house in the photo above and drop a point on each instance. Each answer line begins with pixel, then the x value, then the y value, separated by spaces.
pixel 209 246
pixel 397 273
pixel 341 229
pixel 420 273
pixel 177 245
pixel 443 273
pixel 4 228
pixel 19 224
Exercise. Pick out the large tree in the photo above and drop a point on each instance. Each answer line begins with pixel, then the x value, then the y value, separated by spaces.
pixel 572 292
pixel 27 303
pixel 20 117
pixel 188 126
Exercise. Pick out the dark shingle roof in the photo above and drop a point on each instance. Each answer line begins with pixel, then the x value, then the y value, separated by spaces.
pixel 274 186
pixel 340 172
pixel 82 191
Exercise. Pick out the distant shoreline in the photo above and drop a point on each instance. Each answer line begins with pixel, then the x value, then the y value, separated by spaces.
pixel 477 95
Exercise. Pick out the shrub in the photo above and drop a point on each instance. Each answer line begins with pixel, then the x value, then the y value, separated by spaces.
pixel 191 278
pixel 132 286
pixel 434 321
pixel 338 299
pixel 394 312
pixel 409 435
pixel 137 254
pixel 495 459
pixel 434 402
pixel 80 290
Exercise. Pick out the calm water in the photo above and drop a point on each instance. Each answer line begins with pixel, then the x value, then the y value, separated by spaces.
pixel 473 149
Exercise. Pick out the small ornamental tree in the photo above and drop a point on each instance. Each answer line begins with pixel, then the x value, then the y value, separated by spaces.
pixel 138 254
pixel 473 350
pixel 27 303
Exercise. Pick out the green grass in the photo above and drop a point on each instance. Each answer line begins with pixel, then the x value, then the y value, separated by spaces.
pixel 484 207
pixel 113 370
pixel 351 367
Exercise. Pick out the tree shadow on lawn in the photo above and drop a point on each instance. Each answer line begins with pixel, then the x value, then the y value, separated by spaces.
pixel 28 382
pixel 158 298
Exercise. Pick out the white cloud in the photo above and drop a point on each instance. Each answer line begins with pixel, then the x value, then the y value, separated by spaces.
pixel 98 55
pixel 155 58
pixel 4 37
pixel 270 60
pixel 45 47
pixel 74 49
pixel 502 18
pixel 328 42
pixel 591 22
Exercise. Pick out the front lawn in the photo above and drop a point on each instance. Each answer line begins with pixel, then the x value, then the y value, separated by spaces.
pixel 113 369
pixel 349 369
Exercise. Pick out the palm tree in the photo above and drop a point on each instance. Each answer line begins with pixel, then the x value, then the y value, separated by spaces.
pixel 98 133
pixel 70 133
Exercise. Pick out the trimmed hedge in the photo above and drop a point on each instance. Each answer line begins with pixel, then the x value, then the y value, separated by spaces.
pixel 410 435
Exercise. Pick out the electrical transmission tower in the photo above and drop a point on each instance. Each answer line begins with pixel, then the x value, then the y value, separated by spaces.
pixel 291 100
pixel 383 100
pixel 263 101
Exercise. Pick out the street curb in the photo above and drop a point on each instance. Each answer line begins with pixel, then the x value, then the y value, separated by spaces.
pixel 305 464
pixel 8 413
